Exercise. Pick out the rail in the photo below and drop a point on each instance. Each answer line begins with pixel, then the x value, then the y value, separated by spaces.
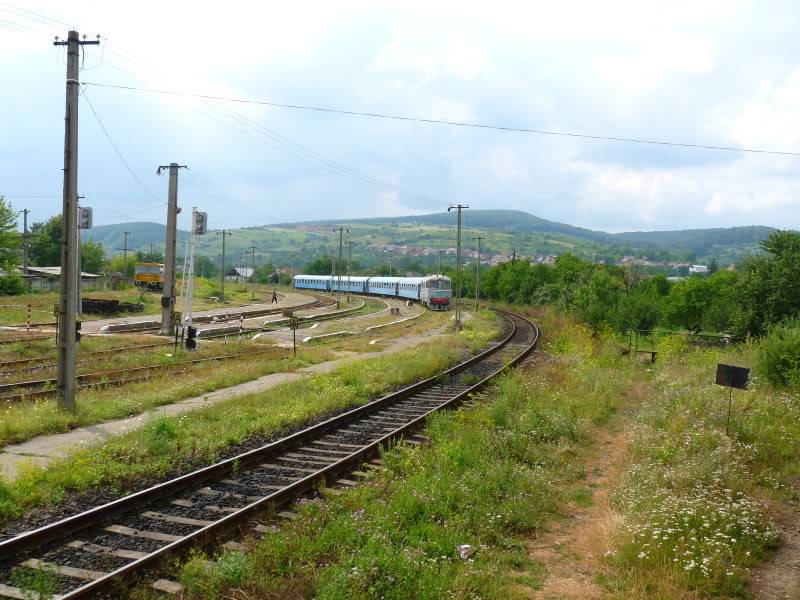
pixel 325 451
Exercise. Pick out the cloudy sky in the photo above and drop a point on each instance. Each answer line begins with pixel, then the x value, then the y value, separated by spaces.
pixel 714 73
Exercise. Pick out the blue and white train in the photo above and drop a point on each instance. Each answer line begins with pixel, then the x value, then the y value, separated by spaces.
pixel 433 291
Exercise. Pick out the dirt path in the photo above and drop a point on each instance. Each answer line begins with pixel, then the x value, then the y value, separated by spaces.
pixel 779 577
pixel 572 546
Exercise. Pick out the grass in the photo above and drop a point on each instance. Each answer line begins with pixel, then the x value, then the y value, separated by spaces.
pixel 22 421
pixel 15 308
pixel 169 444
pixel 692 511
pixel 698 505
pixel 448 520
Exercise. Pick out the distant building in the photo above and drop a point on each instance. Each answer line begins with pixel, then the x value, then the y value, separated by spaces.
pixel 49 278
pixel 239 274
pixel 698 269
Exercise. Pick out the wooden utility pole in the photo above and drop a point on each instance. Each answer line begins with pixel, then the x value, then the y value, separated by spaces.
pixel 341 231
pixel 350 244
pixel 458 208
pixel 333 267
pixel 439 262
pixel 25 253
pixel 478 238
pixel 168 293
pixel 69 228
pixel 253 249
pixel 124 249
pixel 224 233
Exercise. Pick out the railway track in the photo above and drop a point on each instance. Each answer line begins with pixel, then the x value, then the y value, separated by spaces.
pixel 232 317
pixel 97 551
pixel 43 388
pixel 47 361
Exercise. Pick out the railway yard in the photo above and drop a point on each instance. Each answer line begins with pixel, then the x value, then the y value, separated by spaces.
pixel 393 456
pixel 133 386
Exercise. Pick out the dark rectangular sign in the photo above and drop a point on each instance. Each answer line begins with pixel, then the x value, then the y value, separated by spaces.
pixel 730 376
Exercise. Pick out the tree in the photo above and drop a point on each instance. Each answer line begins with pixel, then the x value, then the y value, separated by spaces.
pixel 45 243
pixel 319 266
pixel 687 303
pixel 9 236
pixel 267 274
pixel 116 265
pixel 205 267
pixel 767 290
pixel 713 266
pixel 92 256
pixel 598 299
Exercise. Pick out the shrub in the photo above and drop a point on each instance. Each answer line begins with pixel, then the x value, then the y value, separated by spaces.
pixel 12 285
pixel 670 346
pixel 161 436
pixel 778 358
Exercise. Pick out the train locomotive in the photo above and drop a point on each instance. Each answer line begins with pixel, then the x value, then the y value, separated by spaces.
pixel 149 275
pixel 433 291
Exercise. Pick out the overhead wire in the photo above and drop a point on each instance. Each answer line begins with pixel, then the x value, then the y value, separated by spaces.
pixel 117 151
pixel 40 15
pixel 281 143
pixel 22 28
pixel 466 124
pixel 277 141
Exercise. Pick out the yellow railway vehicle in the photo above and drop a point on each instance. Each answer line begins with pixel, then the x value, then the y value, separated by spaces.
pixel 149 275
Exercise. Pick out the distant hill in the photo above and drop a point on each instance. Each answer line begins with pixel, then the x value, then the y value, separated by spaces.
pixel 700 241
pixel 505 231
pixel 142 234
pixel 515 221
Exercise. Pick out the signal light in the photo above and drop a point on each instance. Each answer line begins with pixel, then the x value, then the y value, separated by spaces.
pixel 191 343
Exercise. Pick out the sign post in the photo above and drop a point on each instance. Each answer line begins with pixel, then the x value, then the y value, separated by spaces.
pixel 293 324
pixel 732 377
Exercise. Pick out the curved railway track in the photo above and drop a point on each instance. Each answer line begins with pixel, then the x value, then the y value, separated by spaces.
pixel 100 549
pixel 42 388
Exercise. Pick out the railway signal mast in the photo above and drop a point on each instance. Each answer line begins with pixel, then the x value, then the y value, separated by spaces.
pixel 350 244
pixel 199 227
pixel 458 208
pixel 69 226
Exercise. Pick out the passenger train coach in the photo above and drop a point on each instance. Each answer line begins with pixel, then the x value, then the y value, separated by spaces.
pixel 432 291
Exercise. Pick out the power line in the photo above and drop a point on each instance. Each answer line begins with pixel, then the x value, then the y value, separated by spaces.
pixel 19 8
pixel 113 145
pixel 23 16
pixel 354 113
pixel 284 144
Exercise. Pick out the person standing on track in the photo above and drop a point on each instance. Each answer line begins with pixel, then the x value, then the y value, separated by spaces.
pixel 274 297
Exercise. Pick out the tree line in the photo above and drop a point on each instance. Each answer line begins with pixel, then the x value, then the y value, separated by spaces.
pixel 764 290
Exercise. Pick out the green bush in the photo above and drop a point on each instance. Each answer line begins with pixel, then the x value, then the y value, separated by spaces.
pixel 12 285
pixel 778 359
